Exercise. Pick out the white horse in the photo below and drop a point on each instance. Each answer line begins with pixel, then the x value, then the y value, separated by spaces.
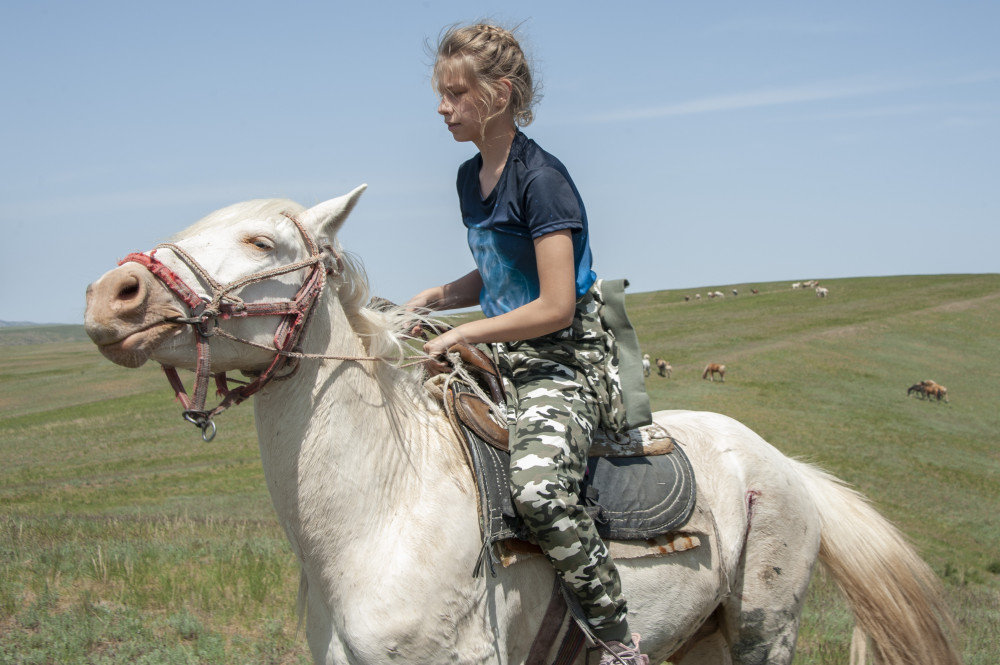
pixel 374 494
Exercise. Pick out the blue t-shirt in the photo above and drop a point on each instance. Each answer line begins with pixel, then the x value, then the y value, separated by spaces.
pixel 534 196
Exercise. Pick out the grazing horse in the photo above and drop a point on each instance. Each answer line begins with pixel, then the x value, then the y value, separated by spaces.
pixel 711 369
pixel 372 487
pixel 933 389
pixel 645 364
pixel 663 367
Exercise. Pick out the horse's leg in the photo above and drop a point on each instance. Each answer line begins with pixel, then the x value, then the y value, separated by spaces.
pixel 763 612
pixel 324 644
pixel 673 600
pixel 711 650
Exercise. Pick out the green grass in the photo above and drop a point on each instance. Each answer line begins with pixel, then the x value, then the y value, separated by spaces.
pixel 126 539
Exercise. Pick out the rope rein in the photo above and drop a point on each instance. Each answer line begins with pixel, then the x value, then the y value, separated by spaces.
pixel 419 359
pixel 460 373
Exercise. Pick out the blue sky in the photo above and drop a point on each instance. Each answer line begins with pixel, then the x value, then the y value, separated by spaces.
pixel 713 143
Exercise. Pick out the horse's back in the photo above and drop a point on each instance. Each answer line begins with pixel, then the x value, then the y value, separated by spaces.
pixel 731 459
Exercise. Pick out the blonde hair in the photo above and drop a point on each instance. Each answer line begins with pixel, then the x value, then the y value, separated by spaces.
pixel 488 54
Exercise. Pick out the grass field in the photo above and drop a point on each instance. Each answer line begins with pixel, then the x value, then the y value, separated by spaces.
pixel 126 539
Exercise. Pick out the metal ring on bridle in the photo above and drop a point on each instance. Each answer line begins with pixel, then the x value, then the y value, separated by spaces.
pixel 204 323
pixel 202 420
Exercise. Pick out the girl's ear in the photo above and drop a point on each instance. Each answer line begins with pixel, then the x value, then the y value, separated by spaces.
pixel 504 90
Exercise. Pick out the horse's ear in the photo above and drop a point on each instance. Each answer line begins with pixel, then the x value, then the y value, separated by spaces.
pixel 326 218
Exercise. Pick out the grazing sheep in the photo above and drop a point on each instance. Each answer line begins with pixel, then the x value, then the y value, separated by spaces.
pixel 711 369
pixel 663 367
pixel 645 364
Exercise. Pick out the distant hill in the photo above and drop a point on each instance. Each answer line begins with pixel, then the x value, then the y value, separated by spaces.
pixel 17 334
pixel 14 324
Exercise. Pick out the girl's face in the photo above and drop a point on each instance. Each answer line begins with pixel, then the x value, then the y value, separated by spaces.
pixel 462 106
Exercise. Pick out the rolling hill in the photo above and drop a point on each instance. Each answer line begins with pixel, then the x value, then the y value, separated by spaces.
pixel 83 442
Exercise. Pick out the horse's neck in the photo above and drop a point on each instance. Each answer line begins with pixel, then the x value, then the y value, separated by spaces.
pixel 343 458
pixel 380 508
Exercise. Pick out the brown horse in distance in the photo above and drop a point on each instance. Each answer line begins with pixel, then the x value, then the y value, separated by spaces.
pixel 711 369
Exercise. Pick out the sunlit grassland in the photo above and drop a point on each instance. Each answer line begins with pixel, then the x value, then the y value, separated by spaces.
pixel 825 379
pixel 125 538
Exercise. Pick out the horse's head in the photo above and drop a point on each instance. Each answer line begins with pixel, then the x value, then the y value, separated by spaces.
pixel 244 268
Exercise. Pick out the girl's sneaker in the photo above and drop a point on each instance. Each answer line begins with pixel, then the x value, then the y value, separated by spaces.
pixel 617 653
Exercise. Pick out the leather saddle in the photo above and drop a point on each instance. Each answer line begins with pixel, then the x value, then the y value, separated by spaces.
pixel 467 408
pixel 638 485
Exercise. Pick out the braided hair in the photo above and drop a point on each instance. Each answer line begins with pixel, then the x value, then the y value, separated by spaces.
pixel 490 53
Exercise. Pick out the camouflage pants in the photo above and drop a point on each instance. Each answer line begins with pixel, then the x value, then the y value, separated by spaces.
pixel 553 412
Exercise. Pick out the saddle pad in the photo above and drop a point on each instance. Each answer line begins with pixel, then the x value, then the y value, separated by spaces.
pixel 629 497
pixel 640 497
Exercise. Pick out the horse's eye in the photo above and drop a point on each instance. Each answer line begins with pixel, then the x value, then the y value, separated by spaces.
pixel 261 243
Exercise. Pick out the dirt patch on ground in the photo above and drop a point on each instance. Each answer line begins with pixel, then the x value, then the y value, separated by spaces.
pixel 963 305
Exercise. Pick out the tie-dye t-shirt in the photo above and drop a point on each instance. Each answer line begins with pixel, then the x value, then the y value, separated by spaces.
pixel 534 196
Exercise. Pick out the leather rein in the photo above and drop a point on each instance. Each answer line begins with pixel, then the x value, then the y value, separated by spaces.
pixel 205 313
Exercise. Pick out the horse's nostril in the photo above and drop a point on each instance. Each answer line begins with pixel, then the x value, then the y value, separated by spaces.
pixel 129 290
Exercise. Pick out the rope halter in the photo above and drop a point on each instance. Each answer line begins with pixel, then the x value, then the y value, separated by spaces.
pixel 204 314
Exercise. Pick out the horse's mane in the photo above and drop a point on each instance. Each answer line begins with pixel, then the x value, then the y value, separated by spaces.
pixel 384 330
pixel 382 326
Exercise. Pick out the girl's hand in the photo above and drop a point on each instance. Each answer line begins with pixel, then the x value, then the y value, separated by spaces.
pixel 418 304
pixel 463 292
pixel 437 350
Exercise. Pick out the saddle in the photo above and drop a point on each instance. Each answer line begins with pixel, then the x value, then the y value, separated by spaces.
pixel 638 485
pixel 468 408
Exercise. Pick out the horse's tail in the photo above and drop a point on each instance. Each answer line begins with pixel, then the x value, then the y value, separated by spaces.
pixel 896 599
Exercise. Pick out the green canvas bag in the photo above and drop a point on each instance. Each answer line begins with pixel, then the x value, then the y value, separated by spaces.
pixel 633 381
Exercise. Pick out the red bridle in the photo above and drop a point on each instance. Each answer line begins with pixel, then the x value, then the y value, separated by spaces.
pixel 204 314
